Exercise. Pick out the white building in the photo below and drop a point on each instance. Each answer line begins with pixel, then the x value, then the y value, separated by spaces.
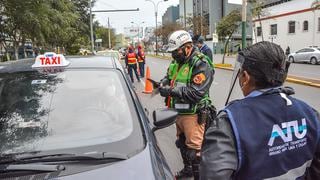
pixel 293 23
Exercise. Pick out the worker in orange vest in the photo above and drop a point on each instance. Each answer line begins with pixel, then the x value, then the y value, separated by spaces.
pixel 131 63
pixel 141 60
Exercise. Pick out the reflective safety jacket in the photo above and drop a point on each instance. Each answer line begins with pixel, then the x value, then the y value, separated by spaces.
pixel 132 58
pixel 141 56
pixel 192 80
pixel 276 136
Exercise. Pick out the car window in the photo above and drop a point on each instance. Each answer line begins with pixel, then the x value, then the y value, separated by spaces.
pixel 71 109
pixel 309 50
pixel 301 50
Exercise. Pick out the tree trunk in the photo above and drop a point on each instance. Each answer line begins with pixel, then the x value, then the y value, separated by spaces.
pixel 16 53
pixel 255 34
pixel 225 47
pixel 259 17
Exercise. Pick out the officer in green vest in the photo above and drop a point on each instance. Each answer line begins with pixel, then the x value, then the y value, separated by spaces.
pixel 186 88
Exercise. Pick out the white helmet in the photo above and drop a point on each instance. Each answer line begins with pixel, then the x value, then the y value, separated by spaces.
pixel 177 39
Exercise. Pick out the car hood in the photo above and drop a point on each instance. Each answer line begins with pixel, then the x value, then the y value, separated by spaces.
pixel 137 167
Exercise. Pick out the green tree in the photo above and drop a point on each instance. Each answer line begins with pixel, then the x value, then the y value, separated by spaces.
pixel 102 32
pixel 227 26
pixel 52 23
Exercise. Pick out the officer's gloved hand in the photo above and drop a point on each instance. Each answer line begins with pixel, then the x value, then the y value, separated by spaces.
pixel 164 82
pixel 165 91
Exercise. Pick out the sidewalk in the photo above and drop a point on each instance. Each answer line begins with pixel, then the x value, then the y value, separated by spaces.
pixel 229 63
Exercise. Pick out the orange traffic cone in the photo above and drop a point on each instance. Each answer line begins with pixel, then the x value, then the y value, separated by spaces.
pixel 148 88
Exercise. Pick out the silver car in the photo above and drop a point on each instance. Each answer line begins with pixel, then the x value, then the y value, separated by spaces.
pixel 311 55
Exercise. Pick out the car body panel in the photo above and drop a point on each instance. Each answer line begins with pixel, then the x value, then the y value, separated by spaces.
pixel 305 55
pixel 137 167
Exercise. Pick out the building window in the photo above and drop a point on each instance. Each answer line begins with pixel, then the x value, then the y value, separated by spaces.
pixel 259 31
pixel 273 30
pixel 305 25
pixel 292 26
pixel 318 24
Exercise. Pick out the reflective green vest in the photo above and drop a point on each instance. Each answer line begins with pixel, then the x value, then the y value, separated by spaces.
pixel 181 77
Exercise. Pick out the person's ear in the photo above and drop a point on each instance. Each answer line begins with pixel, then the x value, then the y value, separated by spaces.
pixel 246 78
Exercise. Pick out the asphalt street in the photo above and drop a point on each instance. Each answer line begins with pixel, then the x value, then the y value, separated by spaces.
pixel 218 93
pixel 296 69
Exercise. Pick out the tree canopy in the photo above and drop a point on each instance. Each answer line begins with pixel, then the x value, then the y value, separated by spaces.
pixel 227 26
pixel 47 23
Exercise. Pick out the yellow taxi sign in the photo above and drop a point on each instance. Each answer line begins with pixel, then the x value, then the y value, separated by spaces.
pixel 51 59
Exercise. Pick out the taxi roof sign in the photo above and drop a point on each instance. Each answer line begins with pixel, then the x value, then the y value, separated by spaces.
pixel 49 60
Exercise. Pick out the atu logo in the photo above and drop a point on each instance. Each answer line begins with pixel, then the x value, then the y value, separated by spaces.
pixel 287 129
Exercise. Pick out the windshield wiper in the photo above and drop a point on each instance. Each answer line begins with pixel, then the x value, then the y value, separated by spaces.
pixel 108 156
pixel 31 167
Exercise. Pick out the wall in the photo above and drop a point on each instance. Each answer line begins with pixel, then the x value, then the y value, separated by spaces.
pixel 281 15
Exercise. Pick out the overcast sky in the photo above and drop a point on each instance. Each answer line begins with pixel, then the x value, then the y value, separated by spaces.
pixel 119 20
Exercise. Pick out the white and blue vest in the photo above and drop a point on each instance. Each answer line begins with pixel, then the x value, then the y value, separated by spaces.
pixel 276 136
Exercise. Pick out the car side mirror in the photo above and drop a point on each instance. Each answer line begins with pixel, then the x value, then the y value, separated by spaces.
pixel 163 118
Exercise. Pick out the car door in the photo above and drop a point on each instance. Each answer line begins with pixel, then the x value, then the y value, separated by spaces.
pixel 299 55
pixel 308 54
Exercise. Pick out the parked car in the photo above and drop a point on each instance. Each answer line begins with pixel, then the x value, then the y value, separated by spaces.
pixel 310 55
pixel 84 52
pixel 123 52
pixel 76 118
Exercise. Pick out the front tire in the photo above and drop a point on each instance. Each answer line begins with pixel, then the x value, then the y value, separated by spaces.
pixel 313 61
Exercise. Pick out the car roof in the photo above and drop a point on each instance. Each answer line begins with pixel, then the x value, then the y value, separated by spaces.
pixel 95 62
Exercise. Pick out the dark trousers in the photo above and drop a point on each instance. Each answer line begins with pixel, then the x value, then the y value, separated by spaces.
pixel 133 67
pixel 141 69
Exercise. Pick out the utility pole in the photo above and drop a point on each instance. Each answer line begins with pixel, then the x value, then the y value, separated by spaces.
pixel 185 14
pixel 91 27
pixel 109 34
pixel 156 15
pixel 201 22
pixel 244 23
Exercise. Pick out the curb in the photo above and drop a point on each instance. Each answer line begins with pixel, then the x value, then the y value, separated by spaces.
pixel 160 57
pixel 228 67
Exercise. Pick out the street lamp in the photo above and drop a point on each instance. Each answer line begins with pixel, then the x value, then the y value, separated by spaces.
pixel 156 15
pixel 138 25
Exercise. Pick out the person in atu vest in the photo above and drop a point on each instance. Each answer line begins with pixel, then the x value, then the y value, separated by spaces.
pixel 141 60
pixel 186 88
pixel 268 134
pixel 131 63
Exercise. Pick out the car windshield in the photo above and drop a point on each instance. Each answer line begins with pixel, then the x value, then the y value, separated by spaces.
pixel 71 109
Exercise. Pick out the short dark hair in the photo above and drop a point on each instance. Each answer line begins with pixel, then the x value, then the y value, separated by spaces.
pixel 268 65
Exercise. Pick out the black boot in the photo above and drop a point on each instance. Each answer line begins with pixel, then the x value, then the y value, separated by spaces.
pixel 186 172
pixel 196 168
pixel 187 169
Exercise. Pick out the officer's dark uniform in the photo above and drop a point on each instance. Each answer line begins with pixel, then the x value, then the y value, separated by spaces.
pixel 191 82
pixel 267 135
pixel 206 51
